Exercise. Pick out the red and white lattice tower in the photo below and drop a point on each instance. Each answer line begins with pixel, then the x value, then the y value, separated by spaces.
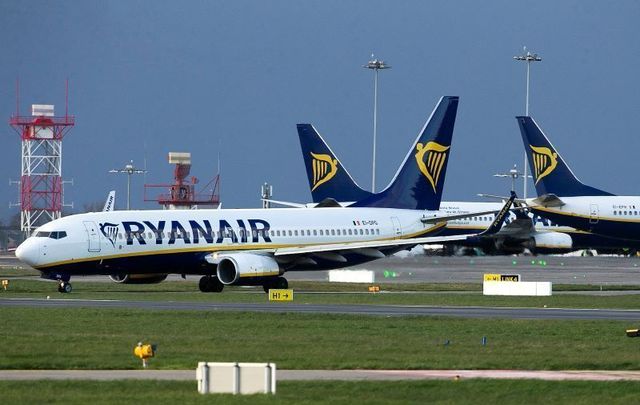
pixel 41 177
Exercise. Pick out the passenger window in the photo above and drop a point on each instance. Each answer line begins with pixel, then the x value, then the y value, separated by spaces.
pixel 361 232
pixel 315 232
pixel 333 232
pixel 378 231
pixel 615 212
pixel 295 232
pixel 349 231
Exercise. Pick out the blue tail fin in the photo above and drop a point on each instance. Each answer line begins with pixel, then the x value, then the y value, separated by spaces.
pixel 551 174
pixel 419 181
pixel 327 177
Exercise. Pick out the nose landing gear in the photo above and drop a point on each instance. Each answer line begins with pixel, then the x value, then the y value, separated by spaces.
pixel 64 287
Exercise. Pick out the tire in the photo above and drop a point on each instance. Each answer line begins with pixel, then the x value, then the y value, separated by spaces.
pixel 65 287
pixel 210 284
pixel 204 284
pixel 281 283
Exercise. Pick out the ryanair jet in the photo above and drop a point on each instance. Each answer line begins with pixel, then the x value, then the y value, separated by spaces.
pixel 253 246
pixel 566 200
pixel 330 180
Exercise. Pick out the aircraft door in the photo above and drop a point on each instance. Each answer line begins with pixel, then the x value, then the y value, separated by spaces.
pixel 593 214
pixel 396 226
pixel 93 237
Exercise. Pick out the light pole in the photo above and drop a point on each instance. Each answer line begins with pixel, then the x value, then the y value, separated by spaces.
pixel 528 57
pixel 128 169
pixel 375 65
pixel 514 174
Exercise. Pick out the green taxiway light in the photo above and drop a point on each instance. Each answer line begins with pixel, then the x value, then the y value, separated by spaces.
pixel 514 262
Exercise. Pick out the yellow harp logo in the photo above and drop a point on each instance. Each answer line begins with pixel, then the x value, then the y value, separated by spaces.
pixel 431 165
pixel 544 161
pixel 324 168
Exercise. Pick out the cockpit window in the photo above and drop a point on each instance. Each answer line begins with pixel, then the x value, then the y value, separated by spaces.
pixel 52 235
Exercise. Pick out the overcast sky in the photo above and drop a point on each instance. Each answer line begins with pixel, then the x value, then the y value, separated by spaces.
pixel 233 78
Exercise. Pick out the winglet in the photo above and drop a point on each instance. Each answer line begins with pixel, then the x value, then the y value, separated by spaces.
pixel 110 203
pixel 497 223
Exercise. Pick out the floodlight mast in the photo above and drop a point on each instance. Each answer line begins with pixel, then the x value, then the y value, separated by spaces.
pixel 528 57
pixel 128 169
pixel 514 174
pixel 375 65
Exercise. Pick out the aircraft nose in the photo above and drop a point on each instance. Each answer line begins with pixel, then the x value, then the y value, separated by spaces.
pixel 28 252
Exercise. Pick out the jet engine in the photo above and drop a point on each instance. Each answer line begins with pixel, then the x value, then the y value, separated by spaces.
pixel 550 242
pixel 232 267
pixel 138 278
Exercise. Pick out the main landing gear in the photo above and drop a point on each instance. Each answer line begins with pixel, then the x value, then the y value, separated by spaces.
pixel 64 287
pixel 210 284
pixel 279 283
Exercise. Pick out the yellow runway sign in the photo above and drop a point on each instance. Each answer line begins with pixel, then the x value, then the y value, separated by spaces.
pixel 280 295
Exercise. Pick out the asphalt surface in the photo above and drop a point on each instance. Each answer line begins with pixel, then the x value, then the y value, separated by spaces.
pixel 598 270
pixel 380 310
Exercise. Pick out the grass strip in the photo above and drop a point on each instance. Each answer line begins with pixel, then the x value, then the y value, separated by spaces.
pixel 327 392
pixel 59 338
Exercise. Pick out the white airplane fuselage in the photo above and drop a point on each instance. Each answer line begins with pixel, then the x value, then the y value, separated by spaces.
pixel 612 216
pixel 162 241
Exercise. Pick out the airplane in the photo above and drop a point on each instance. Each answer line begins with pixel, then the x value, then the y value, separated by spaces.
pixel 254 246
pixel 329 179
pixel 564 199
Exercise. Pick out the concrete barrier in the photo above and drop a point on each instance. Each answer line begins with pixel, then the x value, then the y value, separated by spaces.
pixel 351 276
pixel 236 378
pixel 524 288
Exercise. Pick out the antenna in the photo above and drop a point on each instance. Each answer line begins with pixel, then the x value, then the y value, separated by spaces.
pixel 66 98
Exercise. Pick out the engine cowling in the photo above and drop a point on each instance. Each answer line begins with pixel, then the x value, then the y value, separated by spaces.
pixel 138 278
pixel 232 267
pixel 550 242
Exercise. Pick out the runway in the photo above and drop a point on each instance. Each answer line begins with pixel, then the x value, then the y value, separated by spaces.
pixel 597 270
pixel 334 375
pixel 368 310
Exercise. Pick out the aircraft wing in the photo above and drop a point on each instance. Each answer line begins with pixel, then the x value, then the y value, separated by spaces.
pixel 369 248
pixel 376 244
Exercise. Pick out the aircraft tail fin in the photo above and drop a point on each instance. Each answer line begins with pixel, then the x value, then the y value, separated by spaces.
pixel 551 174
pixel 328 178
pixel 419 181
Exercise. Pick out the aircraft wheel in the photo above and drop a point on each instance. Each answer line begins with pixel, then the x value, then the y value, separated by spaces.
pixel 204 284
pixel 215 285
pixel 282 283
pixel 65 287
pixel 210 284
